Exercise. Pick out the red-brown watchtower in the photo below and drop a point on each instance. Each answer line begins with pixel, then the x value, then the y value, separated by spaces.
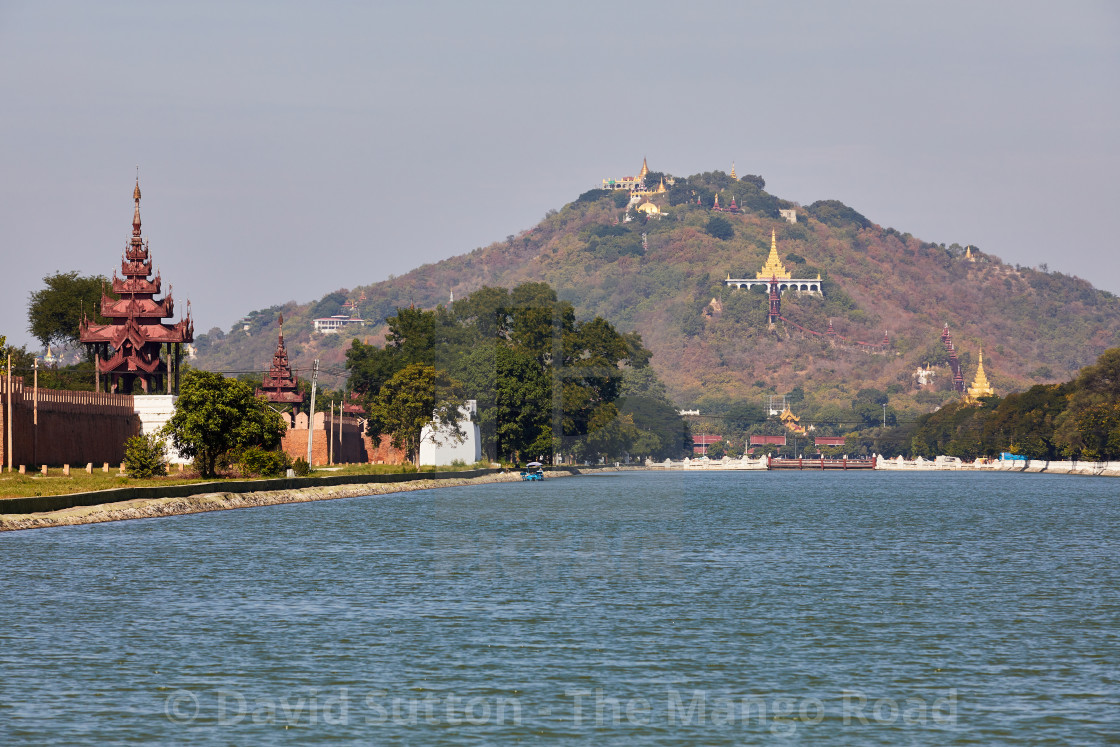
pixel 775 302
pixel 129 346
pixel 954 361
pixel 280 385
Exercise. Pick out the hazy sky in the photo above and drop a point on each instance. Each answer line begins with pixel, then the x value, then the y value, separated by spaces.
pixel 288 149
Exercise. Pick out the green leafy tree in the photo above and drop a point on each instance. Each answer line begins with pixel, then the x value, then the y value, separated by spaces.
pixel 1025 422
pixel 22 361
pixel 145 456
pixel 214 415
pixel 720 228
pixel 410 339
pixel 837 214
pixel 416 396
pixel 328 305
pixel 266 463
pixel 1090 426
pixel 740 417
pixel 508 347
pixel 55 312
pixel 514 395
pixel 718 450
pixel 593 195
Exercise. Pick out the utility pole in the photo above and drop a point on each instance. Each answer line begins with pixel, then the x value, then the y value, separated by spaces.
pixel 311 417
pixel 35 416
pixel 884 414
pixel 8 440
pixel 341 408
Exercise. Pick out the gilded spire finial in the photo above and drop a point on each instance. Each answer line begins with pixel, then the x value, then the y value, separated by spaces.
pixel 773 267
pixel 733 170
pixel 980 385
pixel 136 211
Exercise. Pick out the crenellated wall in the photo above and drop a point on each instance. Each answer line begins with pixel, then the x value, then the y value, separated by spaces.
pixel 352 447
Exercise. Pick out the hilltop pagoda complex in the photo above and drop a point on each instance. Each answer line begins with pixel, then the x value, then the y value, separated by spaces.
pixel 636 185
pixel 777 279
pixel 129 347
pixel 280 384
pixel 774 272
pixel 980 386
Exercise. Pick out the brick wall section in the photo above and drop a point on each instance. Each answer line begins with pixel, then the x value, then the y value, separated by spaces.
pixel 383 453
pixel 354 447
pixel 74 427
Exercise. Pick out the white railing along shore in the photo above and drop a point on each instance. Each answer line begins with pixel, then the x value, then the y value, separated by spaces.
pixel 941 463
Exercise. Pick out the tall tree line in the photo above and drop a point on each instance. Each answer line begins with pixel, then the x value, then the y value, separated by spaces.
pixel 545 382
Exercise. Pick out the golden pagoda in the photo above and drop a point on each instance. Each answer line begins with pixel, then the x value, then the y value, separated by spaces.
pixel 968 254
pixel 773 267
pixel 644 171
pixel 649 208
pixel 661 187
pixel 733 170
pixel 980 386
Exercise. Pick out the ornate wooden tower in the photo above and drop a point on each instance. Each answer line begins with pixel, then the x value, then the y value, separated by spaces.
pixel 954 361
pixel 280 383
pixel 129 347
pixel 775 302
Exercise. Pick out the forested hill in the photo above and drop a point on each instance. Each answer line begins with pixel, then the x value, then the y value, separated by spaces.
pixel 1034 326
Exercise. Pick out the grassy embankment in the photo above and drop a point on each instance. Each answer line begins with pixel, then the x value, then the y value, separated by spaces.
pixel 15 485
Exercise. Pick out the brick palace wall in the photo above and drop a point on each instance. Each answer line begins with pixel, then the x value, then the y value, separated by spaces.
pixel 74 427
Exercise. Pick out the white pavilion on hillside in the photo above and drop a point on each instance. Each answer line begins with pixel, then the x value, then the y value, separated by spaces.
pixel 774 273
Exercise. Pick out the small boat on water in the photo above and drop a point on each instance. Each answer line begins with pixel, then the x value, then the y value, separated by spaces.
pixel 533 471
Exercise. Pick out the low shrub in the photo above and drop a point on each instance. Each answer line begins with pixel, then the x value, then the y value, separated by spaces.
pixel 301 467
pixel 145 456
pixel 257 461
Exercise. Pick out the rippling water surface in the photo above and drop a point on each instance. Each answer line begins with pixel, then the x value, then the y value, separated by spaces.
pixel 614 609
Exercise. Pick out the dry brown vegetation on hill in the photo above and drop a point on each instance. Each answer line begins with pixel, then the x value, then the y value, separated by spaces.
pixel 1034 326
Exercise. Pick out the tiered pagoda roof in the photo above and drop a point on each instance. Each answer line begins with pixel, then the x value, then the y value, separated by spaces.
pixel 773 267
pixel 281 385
pixel 954 360
pixel 980 386
pixel 129 345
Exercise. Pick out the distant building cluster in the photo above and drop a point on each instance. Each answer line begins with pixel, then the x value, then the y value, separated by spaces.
pixel 332 325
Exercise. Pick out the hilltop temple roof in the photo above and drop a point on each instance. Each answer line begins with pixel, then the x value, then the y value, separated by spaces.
pixel 980 386
pixel 773 267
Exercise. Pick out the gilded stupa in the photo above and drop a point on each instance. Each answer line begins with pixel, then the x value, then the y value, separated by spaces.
pixel 733 170
pixel 773 267
pixel 644 171
pixel 980 386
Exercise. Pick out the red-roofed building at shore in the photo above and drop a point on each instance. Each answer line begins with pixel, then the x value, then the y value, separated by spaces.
pixel 136 343
pixel 701 442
